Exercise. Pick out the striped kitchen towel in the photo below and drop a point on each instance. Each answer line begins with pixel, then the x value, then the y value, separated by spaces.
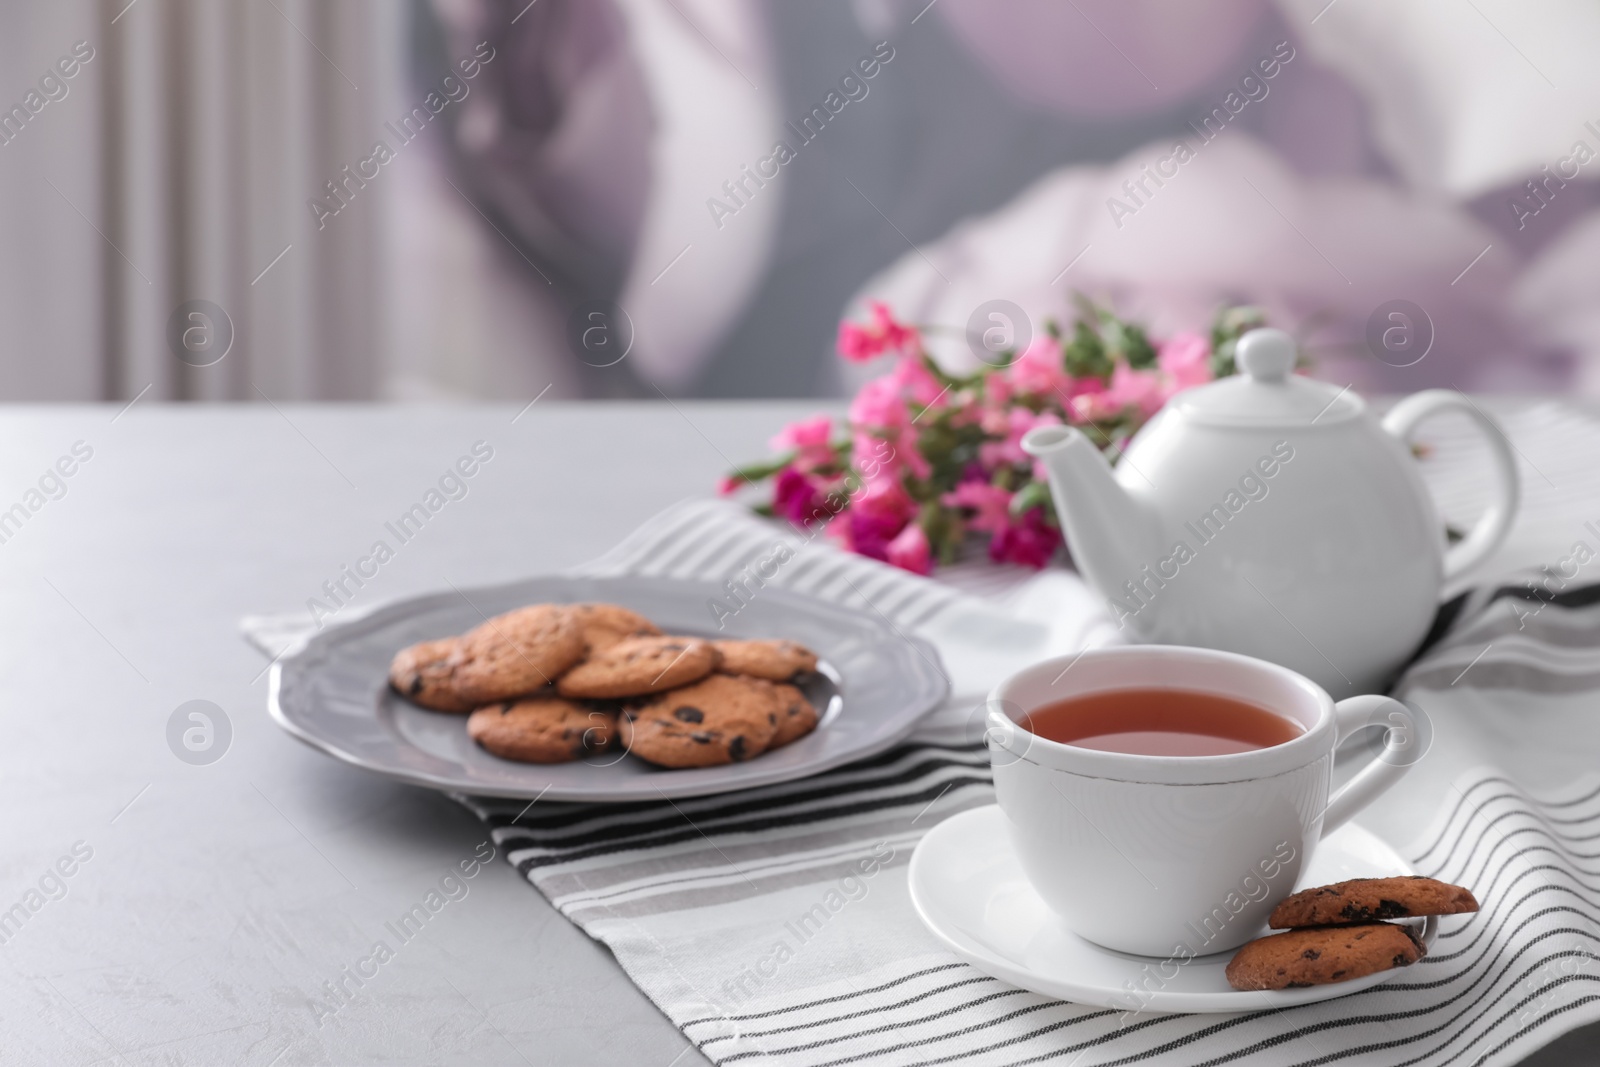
pixel 774 924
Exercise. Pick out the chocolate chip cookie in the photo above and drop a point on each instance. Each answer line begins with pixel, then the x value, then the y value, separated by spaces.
pixel 604 625
pixel 721 719
pixel 636 666
pixel 425 675
pixel 796 716
pixel 776 661
pixel 516 653
pixel 542 730
pixel 1363 900
pixel 1319 955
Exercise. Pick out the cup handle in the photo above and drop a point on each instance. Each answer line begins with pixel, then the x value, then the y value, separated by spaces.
pixel 1385 769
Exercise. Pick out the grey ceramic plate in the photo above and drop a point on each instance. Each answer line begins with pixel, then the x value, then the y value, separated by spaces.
pixel 874 684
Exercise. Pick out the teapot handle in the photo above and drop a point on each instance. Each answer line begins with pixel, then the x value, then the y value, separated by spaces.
pixel 1494 524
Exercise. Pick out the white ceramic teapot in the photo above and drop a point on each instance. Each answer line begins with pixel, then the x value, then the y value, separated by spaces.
pixel 1272 515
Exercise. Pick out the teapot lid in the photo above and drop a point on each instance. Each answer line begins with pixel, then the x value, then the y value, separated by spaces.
pixel 1266 391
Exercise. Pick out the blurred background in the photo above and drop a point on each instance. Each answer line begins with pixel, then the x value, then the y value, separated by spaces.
pixel 435 199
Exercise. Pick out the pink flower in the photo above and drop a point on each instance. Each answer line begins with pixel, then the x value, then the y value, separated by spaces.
pixel 909 550
pixel 875 458
pixel 997 389
pixel 884 499
pixel 1083 387
pixel 879 406
pixel 798 498
pixel 880 412
pixel 1040 369
pixel 866 533
pixel 885 454
pixel 996 422
pixel 1080 398
pixel 729 485
pixel 1007 452
pixel 1186 360
pixel 1092 407
pixel 991 503
pixel 916 462
pixel 914 380
pixel 1029 542
pixel 878 510
pixel 966 408
pixel 861 343
pixel 856 344
pixel 810 439
pixel 1141 390
pixel 897 337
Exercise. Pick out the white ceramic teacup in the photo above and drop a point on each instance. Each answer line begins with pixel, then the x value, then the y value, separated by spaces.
pixel 1177 855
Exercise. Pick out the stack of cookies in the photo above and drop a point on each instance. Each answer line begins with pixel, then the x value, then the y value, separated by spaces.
pixel 1337 932
pixel 551 683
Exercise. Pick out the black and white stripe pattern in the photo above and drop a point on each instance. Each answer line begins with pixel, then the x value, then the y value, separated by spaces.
pixel 1524 633
pixel 1497 985
pixel 773 924
pixel 635 860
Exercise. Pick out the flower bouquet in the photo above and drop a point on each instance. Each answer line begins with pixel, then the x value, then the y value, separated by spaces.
pixel 930 463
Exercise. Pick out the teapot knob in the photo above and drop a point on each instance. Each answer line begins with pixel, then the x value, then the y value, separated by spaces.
pixel 1266 354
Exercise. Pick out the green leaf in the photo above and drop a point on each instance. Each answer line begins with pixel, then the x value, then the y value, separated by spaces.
pixel 942 376
pixel 1087 308
pixel 760 472
pixel 1137 349
pixel 1231 324
pixel 1222 362
pixel 949 449
pixel 1030 496
pixel 948 549
pixel 1085 354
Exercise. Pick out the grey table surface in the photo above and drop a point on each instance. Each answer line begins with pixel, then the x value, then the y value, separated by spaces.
pixel 219 900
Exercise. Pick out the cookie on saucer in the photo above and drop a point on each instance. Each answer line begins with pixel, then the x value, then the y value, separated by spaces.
pixel 636 666
pixel 425 675
pixel 721 719
pixel 542 730
pixel 776 661
pixel 603 625
pixel 1320 955
pixel 516 653
pixel 1363 900
pixel 796 716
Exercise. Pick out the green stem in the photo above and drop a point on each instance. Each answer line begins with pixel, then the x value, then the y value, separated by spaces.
pixel 760 472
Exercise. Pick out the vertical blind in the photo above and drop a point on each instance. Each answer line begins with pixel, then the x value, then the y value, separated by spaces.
pixel 177 166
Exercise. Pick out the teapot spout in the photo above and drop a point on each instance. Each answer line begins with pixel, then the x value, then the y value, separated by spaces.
pixel 1112 535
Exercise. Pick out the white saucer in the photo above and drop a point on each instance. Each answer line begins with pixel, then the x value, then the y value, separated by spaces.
pixel 970 891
